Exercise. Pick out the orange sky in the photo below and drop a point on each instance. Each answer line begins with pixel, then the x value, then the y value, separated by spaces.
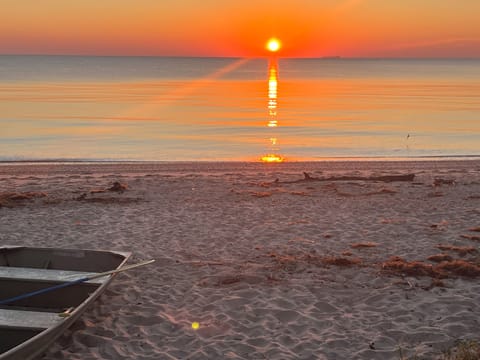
pixel 307 28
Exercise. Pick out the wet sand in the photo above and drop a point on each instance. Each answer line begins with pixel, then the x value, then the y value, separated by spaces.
pixel 271 264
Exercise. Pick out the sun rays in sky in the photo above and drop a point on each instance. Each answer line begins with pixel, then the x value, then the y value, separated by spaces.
pixel 273 45
pixel 178 93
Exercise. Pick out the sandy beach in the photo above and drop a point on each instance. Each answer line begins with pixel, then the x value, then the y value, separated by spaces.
pixel 347 261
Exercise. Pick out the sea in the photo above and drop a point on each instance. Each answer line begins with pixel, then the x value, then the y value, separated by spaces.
pixel 83 108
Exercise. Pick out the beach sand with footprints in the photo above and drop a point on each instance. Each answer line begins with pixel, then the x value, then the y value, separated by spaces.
pixel 327 260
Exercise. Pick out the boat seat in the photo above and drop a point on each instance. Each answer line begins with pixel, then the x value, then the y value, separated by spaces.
pixel 23 273
pixel 20 319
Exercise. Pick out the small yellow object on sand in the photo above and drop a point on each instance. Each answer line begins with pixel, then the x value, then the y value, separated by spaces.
pixel 195 325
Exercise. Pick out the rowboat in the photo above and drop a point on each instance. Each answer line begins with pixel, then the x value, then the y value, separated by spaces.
pixel 31 315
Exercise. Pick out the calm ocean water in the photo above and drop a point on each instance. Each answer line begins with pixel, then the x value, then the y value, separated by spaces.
pixel 134 108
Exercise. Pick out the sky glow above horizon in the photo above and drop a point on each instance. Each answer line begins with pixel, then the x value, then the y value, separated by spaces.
pixel 306 28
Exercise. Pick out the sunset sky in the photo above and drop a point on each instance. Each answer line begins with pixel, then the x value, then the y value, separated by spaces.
pixel 307 28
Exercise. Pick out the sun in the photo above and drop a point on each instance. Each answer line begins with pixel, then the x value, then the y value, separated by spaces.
pixel 273 45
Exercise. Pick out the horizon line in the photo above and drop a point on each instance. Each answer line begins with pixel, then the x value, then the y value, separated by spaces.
pixel 325 57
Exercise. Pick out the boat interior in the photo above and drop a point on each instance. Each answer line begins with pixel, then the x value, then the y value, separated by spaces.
pixel 24 270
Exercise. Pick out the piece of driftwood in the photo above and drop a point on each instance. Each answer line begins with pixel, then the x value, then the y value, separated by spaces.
pixel 440 182
pixel 12 199
pixel 118 187
pixel 384 178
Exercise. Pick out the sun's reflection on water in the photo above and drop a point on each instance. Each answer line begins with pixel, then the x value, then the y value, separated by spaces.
pixel 272 123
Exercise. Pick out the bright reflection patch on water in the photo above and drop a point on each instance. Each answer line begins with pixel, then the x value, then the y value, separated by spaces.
pixel 272 106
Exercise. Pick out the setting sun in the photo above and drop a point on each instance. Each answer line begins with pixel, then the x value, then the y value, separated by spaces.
pixel 273 45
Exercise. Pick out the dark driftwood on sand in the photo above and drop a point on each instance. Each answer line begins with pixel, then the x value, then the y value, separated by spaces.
pixel 384 178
